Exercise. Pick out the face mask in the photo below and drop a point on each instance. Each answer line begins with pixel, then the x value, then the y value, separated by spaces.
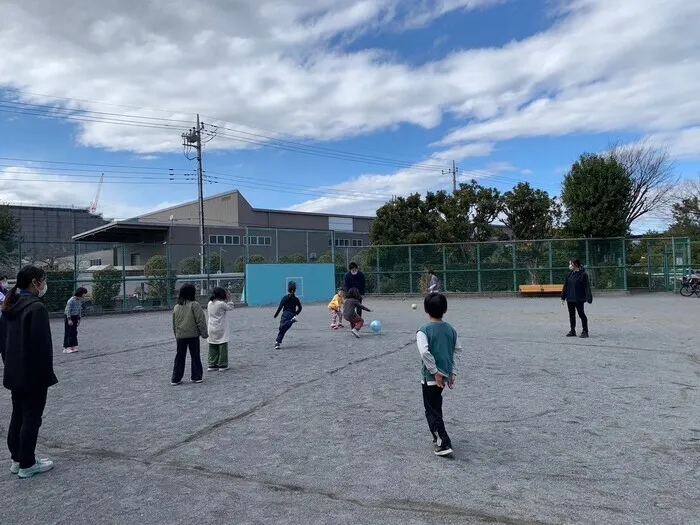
pixel 571 267
pixel 354 272
pixel 42 291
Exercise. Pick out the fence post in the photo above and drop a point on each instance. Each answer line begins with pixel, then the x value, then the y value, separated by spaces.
pixel 478 268
pixel 124 278
pixel 673 260
pixel 75 264
pixel 379 283
pixel 277 245
pixel 246 252
pixel 167 272
pixel 410 271
pixel 515 270
pixel 19 267
pixel 649 277
pixel 307 246
pixel 689 262
pixel 624 264
pixel 444 268
pixel 333 246
pixel 588 258
pixel 551 263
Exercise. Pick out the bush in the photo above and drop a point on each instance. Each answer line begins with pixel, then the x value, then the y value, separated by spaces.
pixel 106 287
pixel 296 258
pixel 160 284
pixel 254 259
pixel 61 288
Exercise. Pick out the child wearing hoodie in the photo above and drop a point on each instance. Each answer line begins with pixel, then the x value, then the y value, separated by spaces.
pixel 352 308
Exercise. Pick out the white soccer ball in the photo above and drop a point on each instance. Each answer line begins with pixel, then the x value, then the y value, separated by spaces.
pixel 414 306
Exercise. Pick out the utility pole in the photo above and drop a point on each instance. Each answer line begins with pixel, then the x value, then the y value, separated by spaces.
pixel 452 172
pixel 193 138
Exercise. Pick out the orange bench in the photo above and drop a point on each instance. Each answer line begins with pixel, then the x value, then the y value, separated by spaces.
pixel 536 289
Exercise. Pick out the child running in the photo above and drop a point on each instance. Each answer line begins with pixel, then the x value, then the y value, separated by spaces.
pixel 72 315
pixel 290 306
pixel 352 311
pixel 218 328
pixel 336 309
pixel 439 348
pixel 189 325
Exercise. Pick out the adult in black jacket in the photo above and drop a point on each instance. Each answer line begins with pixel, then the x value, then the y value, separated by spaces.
pixel 27 353
pixel 576 292
pixel 354 279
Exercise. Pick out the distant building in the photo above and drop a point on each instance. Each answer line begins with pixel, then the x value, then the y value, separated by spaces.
pixel 46 232
pixel 233 229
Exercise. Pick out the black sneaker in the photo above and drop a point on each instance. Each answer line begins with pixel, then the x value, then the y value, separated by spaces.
pixel 584 335
pixel 277 346
pixel 571 334
pixel 222 368
pixel 197 380
pixel 213 368
pixel 444 450
pixel 175 383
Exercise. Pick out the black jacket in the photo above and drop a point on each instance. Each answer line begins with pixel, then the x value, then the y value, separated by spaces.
pixel 289 303
pixel 577 288
pixel 354 281
pixel 26 346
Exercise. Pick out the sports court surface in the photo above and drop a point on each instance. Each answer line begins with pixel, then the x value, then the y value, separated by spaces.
pixel 331 429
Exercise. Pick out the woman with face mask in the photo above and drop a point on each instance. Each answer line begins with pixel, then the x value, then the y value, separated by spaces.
pixel 576 292
pixel 354 279
pixel 27 352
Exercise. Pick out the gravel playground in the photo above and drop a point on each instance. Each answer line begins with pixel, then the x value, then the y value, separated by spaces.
pixel 330 429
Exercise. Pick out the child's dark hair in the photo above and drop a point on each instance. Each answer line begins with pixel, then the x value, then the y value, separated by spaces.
pixel 353 293
pixel 24 280
pixel 353 266
pixel 187 293
pixel 218 294
pixel 435 305
pixel 80 292
pixel 431 272
pixel 292 287
pixel 576 263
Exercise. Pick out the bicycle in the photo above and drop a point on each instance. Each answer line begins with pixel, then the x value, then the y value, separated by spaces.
pixel 690 287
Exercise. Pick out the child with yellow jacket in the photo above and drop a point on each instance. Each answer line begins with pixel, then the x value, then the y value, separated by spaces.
pixel 336 309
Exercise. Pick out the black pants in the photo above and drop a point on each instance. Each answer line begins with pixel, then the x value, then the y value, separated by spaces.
pixel 27 411
pixel 181 356
pixel 577 307
pixel 70 337
pixel 432 401
pixel 285 324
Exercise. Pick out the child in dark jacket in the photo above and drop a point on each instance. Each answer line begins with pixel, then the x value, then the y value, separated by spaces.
pixel 352 308
pixel 290 306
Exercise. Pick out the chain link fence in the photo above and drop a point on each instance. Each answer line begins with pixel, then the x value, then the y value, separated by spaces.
pixel 124 277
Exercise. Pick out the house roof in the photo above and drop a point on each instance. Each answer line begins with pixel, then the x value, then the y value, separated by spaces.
pixel 120 231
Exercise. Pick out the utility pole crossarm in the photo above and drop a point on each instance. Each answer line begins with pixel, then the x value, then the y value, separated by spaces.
pixel 452 172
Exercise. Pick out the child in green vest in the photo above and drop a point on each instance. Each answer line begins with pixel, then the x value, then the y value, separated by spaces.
pixel 439 349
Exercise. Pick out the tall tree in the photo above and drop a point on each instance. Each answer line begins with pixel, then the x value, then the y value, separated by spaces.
pixel 466 215
pixel 686 218
pixel 404 221
pixel 9 228
pixel 530 213
pixel 595 193
pixel 653 176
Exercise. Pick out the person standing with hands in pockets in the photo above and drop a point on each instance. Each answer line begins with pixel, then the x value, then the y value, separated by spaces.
pixel 576 292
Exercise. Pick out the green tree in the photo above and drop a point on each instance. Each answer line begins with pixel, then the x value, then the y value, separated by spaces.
pixel 9 228
pixel 189 266
pixel 596 192
pixel 160 284
pixel 215 263
pixel 296 258
pixel 530 213
pixel 61 288
pixel 106 286
pixel 404 221
pixel 253 259
pixel 466 215
pixel 686 218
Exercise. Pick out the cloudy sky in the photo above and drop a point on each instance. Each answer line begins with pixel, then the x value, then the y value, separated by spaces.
pixel 333 105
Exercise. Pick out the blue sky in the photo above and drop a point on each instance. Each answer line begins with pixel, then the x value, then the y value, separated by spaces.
pixel 381 94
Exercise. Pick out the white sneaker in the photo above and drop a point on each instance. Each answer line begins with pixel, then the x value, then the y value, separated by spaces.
pixel 14 468
pixel 355 333
pixel 41 466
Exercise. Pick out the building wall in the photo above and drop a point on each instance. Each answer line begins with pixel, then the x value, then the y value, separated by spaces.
pixel 38 224
pixel 218 211
pixel 267 283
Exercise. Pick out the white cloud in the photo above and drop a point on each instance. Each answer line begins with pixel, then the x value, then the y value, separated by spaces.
pixel 29 185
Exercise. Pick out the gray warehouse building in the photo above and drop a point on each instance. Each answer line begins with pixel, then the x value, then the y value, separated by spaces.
pixel 233 229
